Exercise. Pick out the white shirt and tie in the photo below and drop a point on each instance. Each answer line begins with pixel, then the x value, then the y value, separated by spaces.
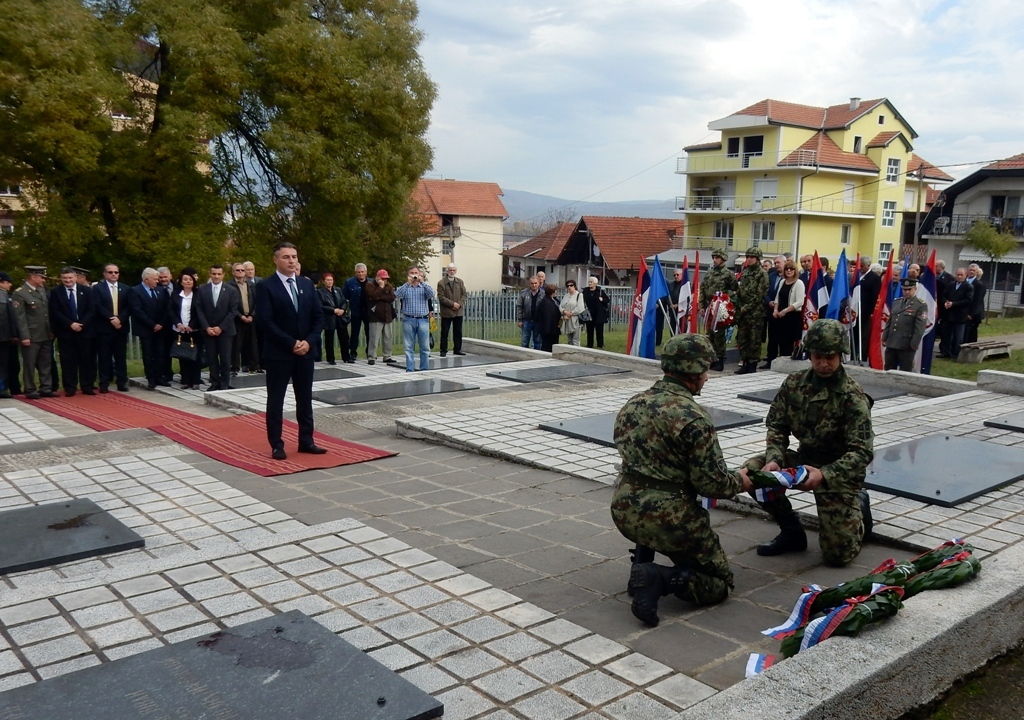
pixel 290 286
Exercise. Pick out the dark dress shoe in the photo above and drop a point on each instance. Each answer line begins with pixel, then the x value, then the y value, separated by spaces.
pixel 213 387
pixel 151 386
pixel 88 391
pixel 279 454
pixel 351 361
pixel 443 354
pixel 313 450
pixel 47 394
pixel 69 393
pixel 459 352
pixel 32 396
pixel 229 387
pixel 331 362
pixel 122 388
pixel 104 391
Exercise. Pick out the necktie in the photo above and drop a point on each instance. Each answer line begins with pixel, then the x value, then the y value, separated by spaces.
pixel 294 294
pixel 216 293
pixel 74 304
pixel 243 288
pixel 113 298
pixel 152 293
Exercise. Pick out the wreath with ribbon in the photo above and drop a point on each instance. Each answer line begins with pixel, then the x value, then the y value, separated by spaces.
pixel 721 312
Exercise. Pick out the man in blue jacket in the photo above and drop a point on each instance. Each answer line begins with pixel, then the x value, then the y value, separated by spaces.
pixel 358 312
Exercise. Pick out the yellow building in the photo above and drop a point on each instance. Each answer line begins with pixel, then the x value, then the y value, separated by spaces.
pixel 796 178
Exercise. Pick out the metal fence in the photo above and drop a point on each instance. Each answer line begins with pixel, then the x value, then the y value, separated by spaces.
pixel 492 315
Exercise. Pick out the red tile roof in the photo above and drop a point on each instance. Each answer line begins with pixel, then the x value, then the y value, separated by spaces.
pixel 930 171
pixel 546 246
pixel 1015 162
pixel 623 241
pixel 704 146
pixel 882 139
pixel 458 197
pixel 820 149
pixel 787 113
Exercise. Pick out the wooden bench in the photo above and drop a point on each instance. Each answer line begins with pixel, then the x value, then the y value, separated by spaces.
pixel 975 352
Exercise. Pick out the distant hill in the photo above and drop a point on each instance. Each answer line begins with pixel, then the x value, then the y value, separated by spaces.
pixel 530 207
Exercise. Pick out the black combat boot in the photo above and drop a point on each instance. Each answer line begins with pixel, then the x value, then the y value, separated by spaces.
pixel 655 582
pixel 638 556
pixel 791 539
pixel 718 365
pixel 865 509
pixel 748 367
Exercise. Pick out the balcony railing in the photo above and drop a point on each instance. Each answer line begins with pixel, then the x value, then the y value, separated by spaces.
pixel 779 203
pixel 960 224
pixel 699 162
pixel 736 245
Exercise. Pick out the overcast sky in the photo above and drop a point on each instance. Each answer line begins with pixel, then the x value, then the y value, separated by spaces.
pixel 594 99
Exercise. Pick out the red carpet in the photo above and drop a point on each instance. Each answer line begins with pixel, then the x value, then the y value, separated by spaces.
pixel 113 411
pixel 242 441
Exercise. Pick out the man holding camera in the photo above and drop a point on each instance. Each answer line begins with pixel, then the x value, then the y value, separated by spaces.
pixel 417 300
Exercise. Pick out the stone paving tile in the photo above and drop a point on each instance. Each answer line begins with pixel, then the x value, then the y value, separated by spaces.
pixel 19 426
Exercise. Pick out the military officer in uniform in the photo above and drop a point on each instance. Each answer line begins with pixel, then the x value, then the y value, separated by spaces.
pixel 750 310
pixel 905 328
pixel 31 308
pixel 718 279
pixel 670 453
pixel 828 412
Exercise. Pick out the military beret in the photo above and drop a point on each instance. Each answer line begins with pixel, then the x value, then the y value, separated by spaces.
pixel 35 269
pixel 908 282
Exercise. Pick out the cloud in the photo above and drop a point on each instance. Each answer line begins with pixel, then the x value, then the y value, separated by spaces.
pixel 574 97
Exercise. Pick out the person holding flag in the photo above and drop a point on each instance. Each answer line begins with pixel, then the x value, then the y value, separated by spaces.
pixel 718 282
pixel 753 286
pixel 905 328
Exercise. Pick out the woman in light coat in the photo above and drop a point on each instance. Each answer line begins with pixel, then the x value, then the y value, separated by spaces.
pixel 787 312
pixel 572 307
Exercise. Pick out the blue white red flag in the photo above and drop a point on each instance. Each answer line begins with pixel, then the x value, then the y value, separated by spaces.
pixel 636 311
pixel 926 291
pixel 657 290
pixel 758 663
pixel 684 302
pixel 694 304
pixel 816 296
pixel 798 616
pixel 839 302
pixel 878 320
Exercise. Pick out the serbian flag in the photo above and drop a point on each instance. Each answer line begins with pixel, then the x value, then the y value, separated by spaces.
pixel 657 290
pixel 684 301
pixel 694 303
pixel 926 292
pixel 839 303
pixel 636 313
pixel 878 321
pixel 816 293
pixel 855 309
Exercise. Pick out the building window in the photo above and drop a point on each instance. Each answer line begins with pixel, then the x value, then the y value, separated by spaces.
pixel 892 170
pixel 447 246
pixel 884 252
pixel 723 231
pixel 881 119
pixel 10 190
pixel 845 233
pixel 858 143
pixel 733 147
pixel 849 190
pixel 889 213
pixel 6 229
pixel 762 231
pixel 753 146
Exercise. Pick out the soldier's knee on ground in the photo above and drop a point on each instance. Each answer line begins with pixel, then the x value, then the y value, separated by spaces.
pixel 702 589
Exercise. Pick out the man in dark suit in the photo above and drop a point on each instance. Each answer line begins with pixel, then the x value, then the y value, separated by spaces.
pixel 958 307
pixel 943 287
pixel 111 320
pixel 290 317
pixel 217 307
pixel 977 313
pixel 244 355
pixel 870 286
pixel 167 336
pixel 71 320
pixel 148 304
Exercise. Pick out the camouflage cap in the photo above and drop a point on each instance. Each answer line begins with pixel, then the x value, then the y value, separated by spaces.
pixel 687 355
pixel 717 253
pixel 754 252
pixel 827 336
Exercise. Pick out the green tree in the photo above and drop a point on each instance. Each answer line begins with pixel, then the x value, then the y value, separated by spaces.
pixel 989 240
pixel 242 123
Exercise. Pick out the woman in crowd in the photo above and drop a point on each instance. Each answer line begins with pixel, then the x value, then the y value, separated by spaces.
pixel 572 307
pixel 597 303
pixel 186 328
pixel 787 313
pixel 380 309
pixel 335 308
pixel 548 317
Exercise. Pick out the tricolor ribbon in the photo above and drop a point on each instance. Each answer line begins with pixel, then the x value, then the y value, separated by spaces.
pixel 798 616
pixel 757 664
pixel 780 481
pixel 706 502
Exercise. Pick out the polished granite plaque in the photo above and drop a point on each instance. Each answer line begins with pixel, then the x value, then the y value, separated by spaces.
pixel 554 372
pixel 285 666
pixel 44 535
pixel 600 429
pixel 875 392
pixel 435 362
pixel 260 380
pixel 944 469
pixel 389 391
pixel 1014 421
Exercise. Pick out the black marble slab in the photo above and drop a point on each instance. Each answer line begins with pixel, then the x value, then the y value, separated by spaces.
pixel 554 372
pixel 285 666
pixel 600 429
pixel 260 380
pixel 389 391
pixel 435 362
pixel 44 535
pixel 944 469
pixel 876 392
pixel 1013 421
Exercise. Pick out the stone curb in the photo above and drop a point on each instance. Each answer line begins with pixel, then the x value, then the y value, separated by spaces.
pixel 937 638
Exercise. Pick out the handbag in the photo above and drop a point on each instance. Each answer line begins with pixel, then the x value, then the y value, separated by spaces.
pixel 187 350
pixel 585 316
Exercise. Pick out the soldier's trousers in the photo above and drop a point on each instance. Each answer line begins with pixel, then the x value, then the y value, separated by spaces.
pixel 37 356
pixel 748 338
pixel 841 523
pixel 717 338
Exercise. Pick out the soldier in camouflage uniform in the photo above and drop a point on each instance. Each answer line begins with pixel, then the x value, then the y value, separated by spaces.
pixel 828 412
pixel 670 453
pixel 718 279
pixel 750 310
